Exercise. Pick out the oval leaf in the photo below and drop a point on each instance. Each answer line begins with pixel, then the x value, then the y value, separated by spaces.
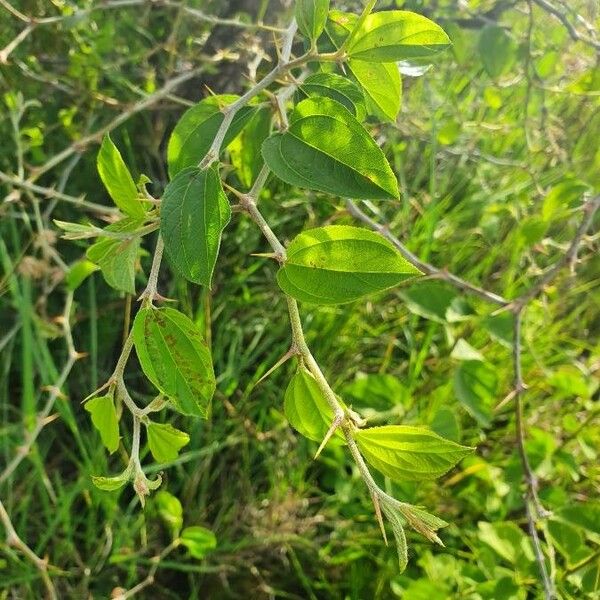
pixel 498 50
pixel 338 88
pixel 198 540
pixel 327 149
pixel 339 263
pixel 165 441
pixel 104 419
pixel 117 258
pixel 170 511
pixel 306 408
pixel 381 82
pixel 401 452
pixel 394 35
pixel 194 212
pixel 311 16
pixel 116 178
pixel 195 131
pixel 175 358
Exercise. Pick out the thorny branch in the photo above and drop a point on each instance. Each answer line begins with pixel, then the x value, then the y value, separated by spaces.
pixel 534 508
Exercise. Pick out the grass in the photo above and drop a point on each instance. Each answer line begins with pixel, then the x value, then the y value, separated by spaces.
pixel 288 526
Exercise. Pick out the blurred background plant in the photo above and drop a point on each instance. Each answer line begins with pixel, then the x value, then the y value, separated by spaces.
pixel 496 150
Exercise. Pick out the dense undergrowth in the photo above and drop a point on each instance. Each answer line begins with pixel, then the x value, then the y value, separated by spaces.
pixel 496 152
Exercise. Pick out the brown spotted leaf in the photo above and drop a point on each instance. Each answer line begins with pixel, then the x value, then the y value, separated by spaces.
pixel 175 358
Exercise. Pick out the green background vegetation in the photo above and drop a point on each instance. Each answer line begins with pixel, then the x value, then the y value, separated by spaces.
pixel 496 148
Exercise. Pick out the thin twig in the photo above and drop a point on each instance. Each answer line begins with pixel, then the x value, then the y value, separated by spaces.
pixel 13 539
pixel 426 268
pixel 562 17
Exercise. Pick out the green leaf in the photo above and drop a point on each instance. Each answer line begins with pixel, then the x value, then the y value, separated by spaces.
pixel 382 86
pixel 311 16
pixel 338 88
pixel 326 149
pixel 566 538
pixel 170 511
pixel 339 263
pixel 401 452
pixel 429 299
pixel 585 515
pixel 196 130
pixel 194 212
pixel 508 541
pixel 165 441
pixel 245 152
pixel 464 351
pixel 498 50
pixel 110 484
pixel 117 258
pixel 475 387
pixel 306 408
pixel 377 392
pixel 394 35
pixel 79 272
pixel 380 82
pixel 175 358
pixel 104 419
pixel 198 540
pixel 399 535
pixel 117 179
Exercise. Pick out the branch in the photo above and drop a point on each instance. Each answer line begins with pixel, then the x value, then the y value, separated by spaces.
pixel 562 17
pixel 43 418
pixel 13 539
pixel 426 268
pixel 569 258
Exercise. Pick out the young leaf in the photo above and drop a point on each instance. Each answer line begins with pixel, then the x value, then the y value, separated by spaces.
pixel 380 82
pixel 175 358
pixel 104 419
pixel 170 511
pixel 117 179
pixel 394 35
pixel 117 258
pixel 498 50
pixel 197 128
pixel 311 16
pixel 397 527
pixel 194 212
pixel 306 408
pixel 165 441
pixel 198 540
pixel 110 484
pixel 338 88
pixel 244 151
pixel 401 452
pixel 79 272
pixel 339 263
pixel 326 149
